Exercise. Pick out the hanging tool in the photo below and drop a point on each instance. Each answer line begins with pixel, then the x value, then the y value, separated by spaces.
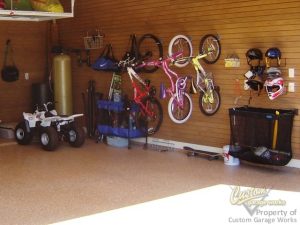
pixel 275 133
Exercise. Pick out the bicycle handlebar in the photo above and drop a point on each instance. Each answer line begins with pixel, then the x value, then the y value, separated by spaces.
pixel 199 56
pixel 132 61
pixel 127 62
pixel 176 57
pixel 44 106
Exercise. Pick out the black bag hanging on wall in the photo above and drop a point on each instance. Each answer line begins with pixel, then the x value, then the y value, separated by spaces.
pixel 132 51
pixel 9 73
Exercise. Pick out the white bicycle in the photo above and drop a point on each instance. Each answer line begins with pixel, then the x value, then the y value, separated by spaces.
pixel 209 52
pixel 182 43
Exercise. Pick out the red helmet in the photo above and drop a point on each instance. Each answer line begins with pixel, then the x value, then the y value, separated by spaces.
pixel 274 87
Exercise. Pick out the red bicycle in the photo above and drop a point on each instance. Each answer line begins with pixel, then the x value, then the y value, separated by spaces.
pixel 144 95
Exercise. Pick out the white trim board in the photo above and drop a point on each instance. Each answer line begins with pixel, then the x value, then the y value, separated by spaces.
pixel 179 145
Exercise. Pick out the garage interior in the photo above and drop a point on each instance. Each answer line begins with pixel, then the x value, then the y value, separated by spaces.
pixel 45 187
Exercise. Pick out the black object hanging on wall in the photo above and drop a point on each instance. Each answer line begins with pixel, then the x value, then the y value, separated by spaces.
pixel 40 94
pixel 10 72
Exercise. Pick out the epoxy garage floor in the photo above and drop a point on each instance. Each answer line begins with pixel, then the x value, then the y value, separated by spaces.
pixel 39 187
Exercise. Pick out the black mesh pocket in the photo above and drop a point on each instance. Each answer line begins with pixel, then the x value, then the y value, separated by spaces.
pixel 261 135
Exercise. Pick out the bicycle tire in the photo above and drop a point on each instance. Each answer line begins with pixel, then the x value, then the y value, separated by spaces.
pixel 207 108
pixel 181 43
pixel 172 109
pixel 150 48
pixel 207 42
pixel 153 123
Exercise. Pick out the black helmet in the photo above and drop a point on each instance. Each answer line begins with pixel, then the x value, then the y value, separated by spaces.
pixel 254 54
pixel 257 70
pixel 255 83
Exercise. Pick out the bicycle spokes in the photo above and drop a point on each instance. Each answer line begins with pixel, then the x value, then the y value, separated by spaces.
pixel 150 48
pixel 208 97
pixel 209 102
pixel 182 44
pixel 180 109
pixel 210 45
pixel 152 114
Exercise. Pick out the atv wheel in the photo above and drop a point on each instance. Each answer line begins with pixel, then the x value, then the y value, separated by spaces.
pixel 49 138
pixel 76 136
pixel 22 136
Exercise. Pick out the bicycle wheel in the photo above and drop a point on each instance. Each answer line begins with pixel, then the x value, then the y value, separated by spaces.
pixel 181 43
pixel 150 48
pixel 209 104
pixel 177 113
pixel 154 121
pixel 210 44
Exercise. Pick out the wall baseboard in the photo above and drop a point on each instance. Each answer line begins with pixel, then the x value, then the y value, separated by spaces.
pixel 179 145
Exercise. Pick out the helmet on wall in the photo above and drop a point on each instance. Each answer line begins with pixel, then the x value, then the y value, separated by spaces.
pixel 273 72
pixel 253 54
pixel 255 83
pixel 273 54
pixel 258 70
pixel 274 87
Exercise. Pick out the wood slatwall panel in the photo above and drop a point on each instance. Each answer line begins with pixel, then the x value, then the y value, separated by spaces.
pixel 29 53
pixel 241 24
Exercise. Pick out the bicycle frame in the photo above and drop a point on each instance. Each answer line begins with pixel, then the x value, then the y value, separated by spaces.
pixel 144 97
pixel 178 87
pixel 180 103
pixel 203 82
pixel 178 84
pixel 138 93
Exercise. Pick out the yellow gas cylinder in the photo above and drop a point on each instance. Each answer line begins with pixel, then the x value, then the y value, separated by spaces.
pixel 62 84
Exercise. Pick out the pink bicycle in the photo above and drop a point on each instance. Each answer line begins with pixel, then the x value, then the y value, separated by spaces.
pixel 180 104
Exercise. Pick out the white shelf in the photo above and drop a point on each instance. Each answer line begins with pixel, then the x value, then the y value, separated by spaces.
pixel 18 15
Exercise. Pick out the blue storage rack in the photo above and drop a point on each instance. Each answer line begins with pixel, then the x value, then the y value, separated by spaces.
pixel 109 126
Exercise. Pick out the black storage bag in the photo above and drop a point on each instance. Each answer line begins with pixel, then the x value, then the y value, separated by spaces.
pixel 9 73
pixel 253 132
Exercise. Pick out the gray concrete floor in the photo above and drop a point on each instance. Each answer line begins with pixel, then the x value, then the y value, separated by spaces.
pixel 39 187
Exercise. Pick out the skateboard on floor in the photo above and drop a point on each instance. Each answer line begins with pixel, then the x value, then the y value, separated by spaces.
pixel 199 153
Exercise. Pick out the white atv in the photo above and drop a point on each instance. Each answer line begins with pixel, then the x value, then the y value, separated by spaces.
pixel 50 127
